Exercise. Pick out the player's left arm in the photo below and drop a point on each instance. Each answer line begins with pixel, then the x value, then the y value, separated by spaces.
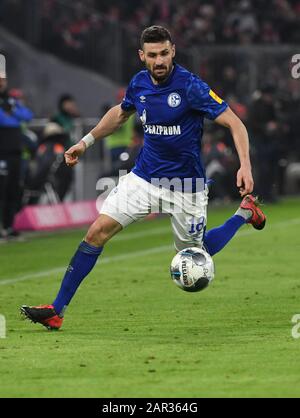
pixel 239 133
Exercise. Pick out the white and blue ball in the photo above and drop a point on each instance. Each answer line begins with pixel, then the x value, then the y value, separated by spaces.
pixel 192 269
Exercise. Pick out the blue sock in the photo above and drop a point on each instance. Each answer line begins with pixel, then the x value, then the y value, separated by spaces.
pixel 82 263
pixel 217 238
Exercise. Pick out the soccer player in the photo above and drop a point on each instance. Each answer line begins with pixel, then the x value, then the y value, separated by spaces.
pixel 172 104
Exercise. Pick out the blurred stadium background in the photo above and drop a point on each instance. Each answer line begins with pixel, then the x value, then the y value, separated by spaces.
pixel 88 50
pixel 68 61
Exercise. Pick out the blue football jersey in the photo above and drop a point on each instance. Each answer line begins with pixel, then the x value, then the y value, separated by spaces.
pixel 172 114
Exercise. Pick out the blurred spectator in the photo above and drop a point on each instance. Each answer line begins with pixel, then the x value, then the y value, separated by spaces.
pixel 65 118
pixel 48 173
pixel 266 137
pixel 221 164
pixel 229 80
pixel 120 140
pixel 12 115
pixel 29 146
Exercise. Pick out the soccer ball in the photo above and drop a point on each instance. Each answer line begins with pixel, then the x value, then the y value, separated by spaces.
pixel 192 269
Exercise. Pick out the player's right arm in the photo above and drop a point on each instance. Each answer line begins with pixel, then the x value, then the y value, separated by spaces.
pixel 110 122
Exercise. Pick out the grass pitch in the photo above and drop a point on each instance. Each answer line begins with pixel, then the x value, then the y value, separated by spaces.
pixel 130 332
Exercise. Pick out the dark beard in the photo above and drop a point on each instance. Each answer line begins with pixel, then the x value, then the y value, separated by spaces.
pixel 161 79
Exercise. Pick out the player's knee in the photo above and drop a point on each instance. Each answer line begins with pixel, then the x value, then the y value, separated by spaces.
pixel 97 236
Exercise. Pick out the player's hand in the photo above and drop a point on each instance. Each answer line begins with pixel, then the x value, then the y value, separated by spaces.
pixel 73 153
pixel 245 181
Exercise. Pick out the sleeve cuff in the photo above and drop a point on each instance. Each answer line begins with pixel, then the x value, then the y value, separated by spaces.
pixel 217 112
pixel 127 107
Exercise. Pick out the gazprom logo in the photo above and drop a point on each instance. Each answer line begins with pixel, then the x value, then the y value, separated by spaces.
pixel 174 100
pixel 162 130
pixel 2 66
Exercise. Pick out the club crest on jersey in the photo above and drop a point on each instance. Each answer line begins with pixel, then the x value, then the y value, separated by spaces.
pixel 142 99
pixel 174 100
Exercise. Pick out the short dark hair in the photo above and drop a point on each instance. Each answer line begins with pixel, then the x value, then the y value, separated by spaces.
pixel 155 34
pixel 64 98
